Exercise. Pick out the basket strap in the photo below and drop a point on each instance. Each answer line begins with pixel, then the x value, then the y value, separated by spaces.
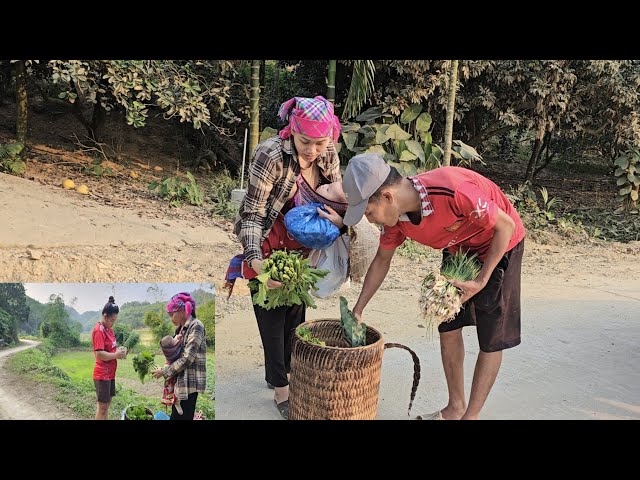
pixel 416 371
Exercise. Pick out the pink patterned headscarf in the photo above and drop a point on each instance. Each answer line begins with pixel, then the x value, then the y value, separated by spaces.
pixel 310 116
pixel 180 301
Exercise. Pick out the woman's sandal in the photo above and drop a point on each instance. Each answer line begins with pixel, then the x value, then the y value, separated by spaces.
pixel 283 408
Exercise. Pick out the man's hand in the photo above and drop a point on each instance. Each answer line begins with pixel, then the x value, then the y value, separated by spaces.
pixel 469 288
pixel 502 232
pixel 358 315
pixel 333 216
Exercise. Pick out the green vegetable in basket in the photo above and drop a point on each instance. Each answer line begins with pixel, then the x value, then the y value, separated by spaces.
pixel 142 362
pixel 138 412
pixel 356 334
pixel 306 334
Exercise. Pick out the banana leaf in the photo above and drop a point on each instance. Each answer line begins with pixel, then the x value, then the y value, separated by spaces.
pixel 356 334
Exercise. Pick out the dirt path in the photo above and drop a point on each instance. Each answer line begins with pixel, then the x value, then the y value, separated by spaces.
pixel 578 358
pixel 54 235
pixel 23 399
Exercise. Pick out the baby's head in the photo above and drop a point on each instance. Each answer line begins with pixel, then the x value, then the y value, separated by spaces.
pixel 332 191
pixel 167 341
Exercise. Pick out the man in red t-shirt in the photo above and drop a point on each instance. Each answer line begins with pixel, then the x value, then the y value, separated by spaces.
pixel 448 208
pixel 106 352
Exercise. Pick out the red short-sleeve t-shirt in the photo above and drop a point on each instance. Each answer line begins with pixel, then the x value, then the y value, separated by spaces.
pixel 104 339
pixel 459 210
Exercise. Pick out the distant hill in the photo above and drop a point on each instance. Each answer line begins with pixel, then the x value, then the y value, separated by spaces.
pixel 36 315
pixel 73 313
pixel 89 319
pixel 200 296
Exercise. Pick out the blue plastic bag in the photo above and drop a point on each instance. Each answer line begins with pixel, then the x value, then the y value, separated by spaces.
pixel 307 227
pixel 160 415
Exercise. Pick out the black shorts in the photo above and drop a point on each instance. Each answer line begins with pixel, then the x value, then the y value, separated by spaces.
pixel 105 389
pixel 494 310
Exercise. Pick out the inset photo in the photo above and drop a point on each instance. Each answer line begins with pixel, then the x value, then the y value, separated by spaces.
pixel 107 351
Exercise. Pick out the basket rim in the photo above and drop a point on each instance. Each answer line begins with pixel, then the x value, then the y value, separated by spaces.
pixel 371 345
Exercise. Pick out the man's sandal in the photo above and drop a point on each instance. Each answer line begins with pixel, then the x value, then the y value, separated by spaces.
pixel 431 416
pixel 283 408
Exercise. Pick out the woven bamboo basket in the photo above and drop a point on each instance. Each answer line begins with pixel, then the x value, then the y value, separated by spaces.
pixel 337 382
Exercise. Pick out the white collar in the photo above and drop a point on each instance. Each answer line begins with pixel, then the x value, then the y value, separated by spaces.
pixel 426 207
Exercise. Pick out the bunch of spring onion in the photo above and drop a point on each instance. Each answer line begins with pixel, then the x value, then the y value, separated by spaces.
pixel 440 301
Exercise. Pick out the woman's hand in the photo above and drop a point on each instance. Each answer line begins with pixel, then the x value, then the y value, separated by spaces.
pixel 271 284
pixel 333 216
pixel 157 373
pixel 256 265
pixel 121 353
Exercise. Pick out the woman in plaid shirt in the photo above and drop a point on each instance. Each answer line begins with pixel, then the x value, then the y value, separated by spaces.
pixel 305 147
pixel 190 369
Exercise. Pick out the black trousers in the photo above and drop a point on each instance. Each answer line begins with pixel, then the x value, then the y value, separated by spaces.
pixel 276 331
pixel 188 408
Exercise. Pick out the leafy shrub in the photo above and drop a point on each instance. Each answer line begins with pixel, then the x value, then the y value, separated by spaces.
pixel 176 190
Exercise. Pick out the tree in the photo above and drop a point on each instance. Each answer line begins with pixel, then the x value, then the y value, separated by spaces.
pixel 8 328
pixel 331 82
pixel 451 107
pixel 570 107
pixel 158 325
pixel 125 335
pixel 56 325
pixel 193 91
pixel 13 300
pixel 254 118
pixel 207 315
pixel 122 331
pixel 21 104
pixel 360 88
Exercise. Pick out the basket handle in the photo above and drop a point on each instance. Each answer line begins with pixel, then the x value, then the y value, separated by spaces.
pixel 416 371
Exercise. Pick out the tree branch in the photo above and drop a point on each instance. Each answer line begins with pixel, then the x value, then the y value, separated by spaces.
pixel 85 148
pixel 549 157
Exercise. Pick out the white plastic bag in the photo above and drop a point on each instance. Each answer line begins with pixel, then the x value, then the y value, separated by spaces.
pixel 334 258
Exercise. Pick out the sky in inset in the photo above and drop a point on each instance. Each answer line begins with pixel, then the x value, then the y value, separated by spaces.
pixel 93 296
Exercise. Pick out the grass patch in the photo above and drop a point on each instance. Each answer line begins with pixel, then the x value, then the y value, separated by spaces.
pixel 416 251
pixel 36 362
pixel 30 337
pixel 146 336
pixel 219 193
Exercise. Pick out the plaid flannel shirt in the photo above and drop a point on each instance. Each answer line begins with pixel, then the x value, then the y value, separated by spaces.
pixel 190 369
pixel 272 174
